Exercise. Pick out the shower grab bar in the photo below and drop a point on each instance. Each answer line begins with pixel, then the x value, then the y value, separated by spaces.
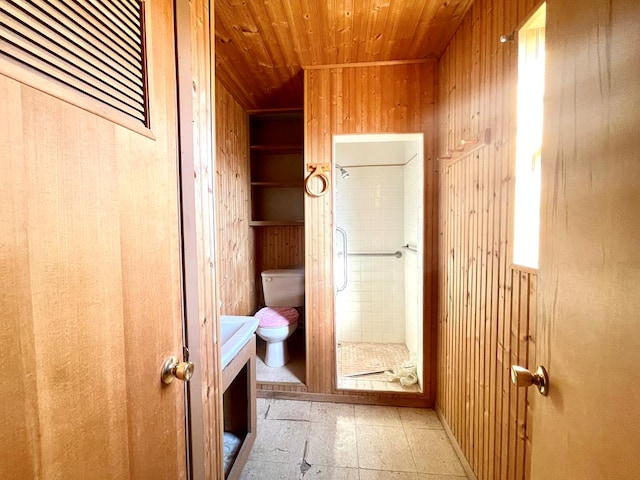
pixel 396 254
pixel 345 262
pixel 410 247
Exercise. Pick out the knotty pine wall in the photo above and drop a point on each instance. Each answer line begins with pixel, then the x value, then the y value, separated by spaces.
pixel 243 251
pixel 487 313
pixel 234 238
pixel 377 98
pixel 277 247
pixel 206 404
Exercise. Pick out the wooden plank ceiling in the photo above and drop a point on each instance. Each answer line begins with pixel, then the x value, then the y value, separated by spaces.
pixel 262 45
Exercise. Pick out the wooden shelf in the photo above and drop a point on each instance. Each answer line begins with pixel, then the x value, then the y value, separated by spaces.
pixel 278 184
pixel 277 148
pixel 277 169
pixel 275 223
pixel 239 403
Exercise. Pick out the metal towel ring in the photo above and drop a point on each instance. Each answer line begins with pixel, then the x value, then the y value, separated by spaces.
pixel 319 173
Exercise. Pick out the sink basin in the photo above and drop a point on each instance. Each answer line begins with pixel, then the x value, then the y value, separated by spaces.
pixel 236 332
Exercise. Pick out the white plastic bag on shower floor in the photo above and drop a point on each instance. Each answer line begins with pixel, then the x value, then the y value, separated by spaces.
pixel 405 373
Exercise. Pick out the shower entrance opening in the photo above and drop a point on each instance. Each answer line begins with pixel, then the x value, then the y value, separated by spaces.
pixel 378 261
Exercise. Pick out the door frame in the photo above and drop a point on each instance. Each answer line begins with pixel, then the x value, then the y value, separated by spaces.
pixel 203 399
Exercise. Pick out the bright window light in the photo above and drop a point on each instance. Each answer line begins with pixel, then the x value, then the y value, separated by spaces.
pixel 526 236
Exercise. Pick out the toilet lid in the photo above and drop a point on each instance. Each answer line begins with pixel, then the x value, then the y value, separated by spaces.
pixel 276 316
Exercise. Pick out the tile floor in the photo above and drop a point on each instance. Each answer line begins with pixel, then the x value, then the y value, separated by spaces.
pixel 328 441
pixel 359 366
pixel 352 358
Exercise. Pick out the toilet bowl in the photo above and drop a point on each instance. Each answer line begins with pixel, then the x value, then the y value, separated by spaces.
pixel 276 324
pixel 283 290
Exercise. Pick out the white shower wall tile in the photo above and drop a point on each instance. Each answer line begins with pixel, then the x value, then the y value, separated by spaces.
pixel 413 230
pixel 372 311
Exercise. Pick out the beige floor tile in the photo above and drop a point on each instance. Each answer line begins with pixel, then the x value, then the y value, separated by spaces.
pixel 280 441
pixel 377 415
pixel 433 453
pixel 289 410
pixel 383 448
pixel 332 444
pixel 258 470
pixel 383 475
pixel 419 418
pixel 332 412
pixel 262 406
pixel 322 472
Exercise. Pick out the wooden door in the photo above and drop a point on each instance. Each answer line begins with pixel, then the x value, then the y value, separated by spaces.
pixel 589 332
pixel 90 283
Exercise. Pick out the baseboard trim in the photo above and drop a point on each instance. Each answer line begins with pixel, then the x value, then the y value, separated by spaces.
pixel 465 463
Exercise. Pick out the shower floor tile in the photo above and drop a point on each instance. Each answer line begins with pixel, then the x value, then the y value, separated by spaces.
pixel 361 366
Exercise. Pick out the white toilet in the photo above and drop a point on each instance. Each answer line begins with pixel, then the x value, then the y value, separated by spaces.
pixel 283 290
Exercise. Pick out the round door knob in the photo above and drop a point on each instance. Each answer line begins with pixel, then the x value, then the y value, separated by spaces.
pixel 521 377
pixel 184 371
pixel 172 369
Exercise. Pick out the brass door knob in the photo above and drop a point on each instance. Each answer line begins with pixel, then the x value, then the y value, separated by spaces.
pixel 521 377
pixel 172 369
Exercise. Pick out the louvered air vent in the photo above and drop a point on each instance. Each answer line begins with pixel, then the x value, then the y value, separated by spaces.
pixel 92 46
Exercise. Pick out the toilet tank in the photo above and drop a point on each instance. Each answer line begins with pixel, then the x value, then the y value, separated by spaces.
pixel 283 287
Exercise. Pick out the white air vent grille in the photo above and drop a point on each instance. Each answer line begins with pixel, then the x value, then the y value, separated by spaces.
pixel 92 46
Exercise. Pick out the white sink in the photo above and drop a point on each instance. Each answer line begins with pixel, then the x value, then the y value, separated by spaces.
pixel 236 332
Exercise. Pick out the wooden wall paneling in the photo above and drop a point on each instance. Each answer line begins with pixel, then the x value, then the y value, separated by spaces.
pixel 524 358
pixel 276 247
pixel 195 101
pixel 471 329
pixel 427 120
pixel 532 360
pixel 236 244
pixel 280 247
pixel 486 306
pixel 490 107
pixel 497 98
pixel 509 460
pixel 473 280
pixel 485 310
pixel 208 462
pixel 395 98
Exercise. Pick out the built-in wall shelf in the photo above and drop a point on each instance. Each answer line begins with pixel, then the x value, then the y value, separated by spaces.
pixel 277 184
pixel 239 404
pixel 278 148
pixel 277 168
pixel 277 223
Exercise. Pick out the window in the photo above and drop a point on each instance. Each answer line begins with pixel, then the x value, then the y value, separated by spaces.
pixel 529 140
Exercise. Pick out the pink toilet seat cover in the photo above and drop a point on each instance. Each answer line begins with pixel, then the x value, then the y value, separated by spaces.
pixel 276 316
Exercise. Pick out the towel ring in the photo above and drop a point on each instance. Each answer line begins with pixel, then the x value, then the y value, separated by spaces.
pixel 319 173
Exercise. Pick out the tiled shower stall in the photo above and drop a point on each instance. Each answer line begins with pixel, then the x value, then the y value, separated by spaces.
pixel 380 207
